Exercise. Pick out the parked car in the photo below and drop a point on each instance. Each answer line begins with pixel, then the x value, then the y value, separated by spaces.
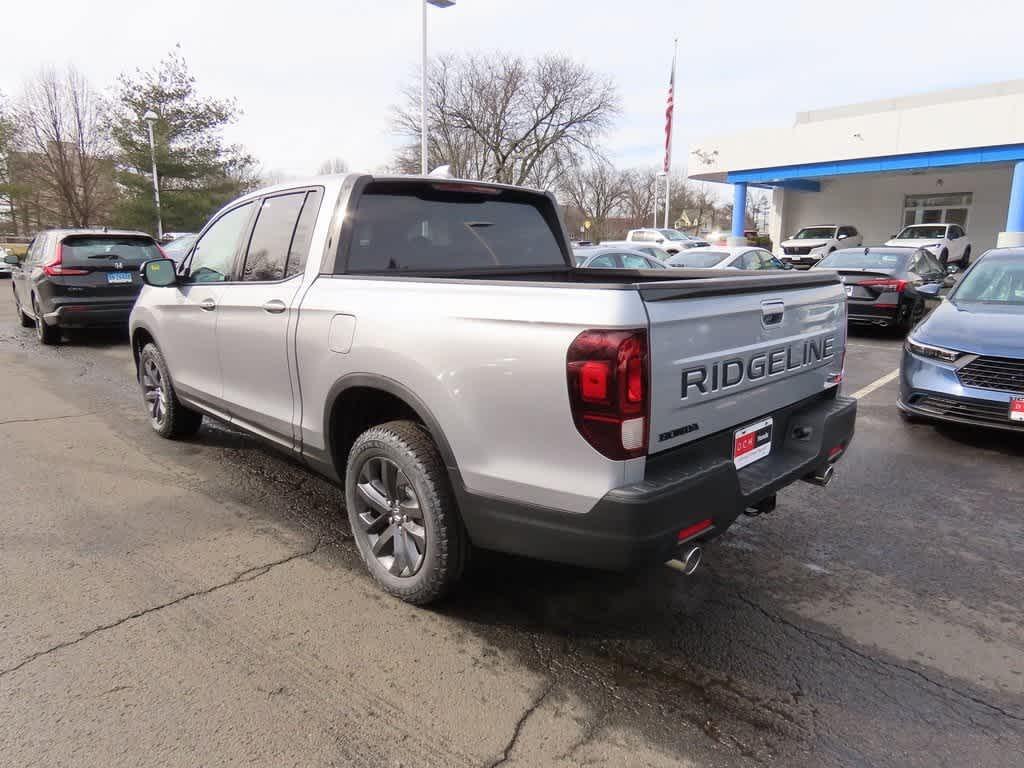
pixel 949 242
pixel 614 257
pixel 725 257
pixel 811 244
pixel 965 362
pixel 430 344
pixel 887 287
pixel 5 265
pixel 672 240
pixel 75 278
pixel 179 247
pixel 654 251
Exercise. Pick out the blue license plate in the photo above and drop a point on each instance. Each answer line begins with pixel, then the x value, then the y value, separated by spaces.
pixel 119 277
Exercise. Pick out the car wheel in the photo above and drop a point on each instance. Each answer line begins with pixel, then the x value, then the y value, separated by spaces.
pixel 912 318
pixel 944 257
pixel 47 334
pixel 402 512
pixel 25 320
pixel 168 417
pixel 965 260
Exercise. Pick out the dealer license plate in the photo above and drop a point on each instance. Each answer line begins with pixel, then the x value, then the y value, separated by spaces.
pixel 1017 409
pixel 119 277
pixel 752 443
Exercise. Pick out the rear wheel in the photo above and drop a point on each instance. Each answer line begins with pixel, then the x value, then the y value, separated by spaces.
pixel 47 334
pixel 966 259
pixel 913 316
pixel 168 417
pixel 402 512
pixel 944 257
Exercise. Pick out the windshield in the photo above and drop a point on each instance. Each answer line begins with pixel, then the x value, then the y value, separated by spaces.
pixel 815 233
pixel 922 232
pixel 699 259
pixel 178 247
pixel 858 259
pixel 451 226
pixel 100 250
pixel 997 280
pixel 671 234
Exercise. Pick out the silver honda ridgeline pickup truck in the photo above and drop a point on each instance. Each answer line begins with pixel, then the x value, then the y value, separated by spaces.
pixel 429 344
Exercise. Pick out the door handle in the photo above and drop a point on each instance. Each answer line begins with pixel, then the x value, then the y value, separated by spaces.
pixel 208 304
pixel 274 306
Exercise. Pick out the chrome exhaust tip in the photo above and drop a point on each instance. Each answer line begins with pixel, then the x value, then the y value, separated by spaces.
pixel 822 477
pixel 689 563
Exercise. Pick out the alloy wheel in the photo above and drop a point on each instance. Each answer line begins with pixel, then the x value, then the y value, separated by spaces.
pixel 153 391
pixel 389 511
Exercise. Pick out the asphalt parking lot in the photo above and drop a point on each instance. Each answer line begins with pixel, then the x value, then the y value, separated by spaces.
pixel 201 603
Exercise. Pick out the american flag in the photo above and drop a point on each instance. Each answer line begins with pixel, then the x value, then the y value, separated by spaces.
pixel 669 107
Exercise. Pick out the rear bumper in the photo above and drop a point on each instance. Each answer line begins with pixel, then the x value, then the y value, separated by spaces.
pixel 639 524
pixel 88 313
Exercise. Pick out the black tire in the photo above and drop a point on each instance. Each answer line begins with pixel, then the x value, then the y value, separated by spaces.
pixel 168 417
pixel 25 320
pixel 47 334
pixel 965 260
pixel 913 317
pixel 944 257
pixel 402 513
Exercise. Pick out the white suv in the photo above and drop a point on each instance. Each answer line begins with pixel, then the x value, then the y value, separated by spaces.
pixel 671 240
pixel 948 242
pixel 811 244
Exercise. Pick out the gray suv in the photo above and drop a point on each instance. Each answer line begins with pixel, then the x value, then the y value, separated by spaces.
pixel 430 345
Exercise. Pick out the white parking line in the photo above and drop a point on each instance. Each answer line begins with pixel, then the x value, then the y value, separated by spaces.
pixel 878 383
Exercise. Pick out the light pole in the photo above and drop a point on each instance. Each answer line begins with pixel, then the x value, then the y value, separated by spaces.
pixel 423 82
pixel 151 117
pixel 659 175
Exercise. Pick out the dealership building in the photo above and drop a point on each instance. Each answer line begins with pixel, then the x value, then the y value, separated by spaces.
pixel 954 156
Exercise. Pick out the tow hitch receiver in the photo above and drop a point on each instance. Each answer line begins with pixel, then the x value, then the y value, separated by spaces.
pixel 763 506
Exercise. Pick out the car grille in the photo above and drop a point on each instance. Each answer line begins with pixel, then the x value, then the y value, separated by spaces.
pixel 998 373
pixel 796 251
pixel 962 408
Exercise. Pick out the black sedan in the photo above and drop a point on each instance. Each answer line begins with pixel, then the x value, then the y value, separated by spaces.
pixel 887 287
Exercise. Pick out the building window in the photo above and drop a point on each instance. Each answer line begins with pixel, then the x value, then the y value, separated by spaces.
pixel 946 208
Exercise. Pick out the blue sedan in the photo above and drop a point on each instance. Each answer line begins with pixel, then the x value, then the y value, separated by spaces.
pixel 965 362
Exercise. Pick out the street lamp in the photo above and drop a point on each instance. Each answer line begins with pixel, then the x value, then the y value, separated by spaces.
pixel 151 117
pixel 660 175
pixel 423 83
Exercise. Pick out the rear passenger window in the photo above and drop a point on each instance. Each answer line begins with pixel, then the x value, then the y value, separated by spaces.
pixel 303 234
pixel 271 239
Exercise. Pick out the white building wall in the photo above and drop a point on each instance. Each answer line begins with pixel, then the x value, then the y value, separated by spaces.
pixel 874 203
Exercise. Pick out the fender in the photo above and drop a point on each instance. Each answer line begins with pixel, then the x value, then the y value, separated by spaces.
pixel 400 391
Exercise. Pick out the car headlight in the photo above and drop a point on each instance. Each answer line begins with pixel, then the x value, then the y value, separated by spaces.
pixel 933 353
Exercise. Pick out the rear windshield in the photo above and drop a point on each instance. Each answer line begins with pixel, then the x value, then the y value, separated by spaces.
pixel 401 226
pixel 859 260
pixel 99 250
pixel 697 259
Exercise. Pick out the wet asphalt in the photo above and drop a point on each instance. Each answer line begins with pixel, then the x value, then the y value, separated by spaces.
pixel 876 622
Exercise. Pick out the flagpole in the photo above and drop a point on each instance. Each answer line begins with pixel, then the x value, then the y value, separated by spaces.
pixel 668 157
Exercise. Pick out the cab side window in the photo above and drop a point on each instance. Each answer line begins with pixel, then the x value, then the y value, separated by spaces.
pixel 214 253
pixel 303 234
pixel 267 255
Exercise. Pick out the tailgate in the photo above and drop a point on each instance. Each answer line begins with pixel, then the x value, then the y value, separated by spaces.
pixel 727 351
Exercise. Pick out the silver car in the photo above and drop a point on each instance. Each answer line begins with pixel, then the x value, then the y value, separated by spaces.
pixel 429 344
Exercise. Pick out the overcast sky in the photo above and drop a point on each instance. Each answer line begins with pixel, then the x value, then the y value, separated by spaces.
pixel 316 79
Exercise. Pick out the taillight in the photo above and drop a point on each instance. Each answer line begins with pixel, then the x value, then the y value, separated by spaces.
pixel 607 373
pixel 56 269
pixel 885 284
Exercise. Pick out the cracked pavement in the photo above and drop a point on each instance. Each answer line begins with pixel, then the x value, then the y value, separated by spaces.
pixel 200 602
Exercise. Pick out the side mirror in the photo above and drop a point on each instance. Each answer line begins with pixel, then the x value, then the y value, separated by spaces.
pixel 931 290
pixel 11 259
pixel 159 273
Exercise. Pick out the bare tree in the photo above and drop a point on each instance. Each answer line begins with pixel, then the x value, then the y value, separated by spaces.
pixel 333 165
pixel 503 118
pixel 65 148
pixel 702 206
pixel 597 189
pixel 639 199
